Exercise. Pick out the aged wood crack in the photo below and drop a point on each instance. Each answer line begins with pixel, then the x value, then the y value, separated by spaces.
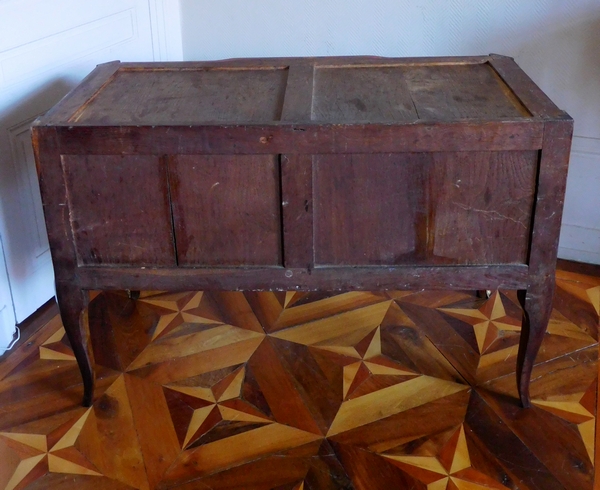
pixel 492 213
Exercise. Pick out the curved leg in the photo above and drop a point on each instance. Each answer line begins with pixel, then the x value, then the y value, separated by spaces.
pixel 537 307
pixel 72 302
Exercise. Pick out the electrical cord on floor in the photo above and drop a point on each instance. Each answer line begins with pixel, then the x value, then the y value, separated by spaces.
pixel 12 344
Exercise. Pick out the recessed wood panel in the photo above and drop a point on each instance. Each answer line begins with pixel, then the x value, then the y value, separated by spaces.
pixel 438 208
pixel 366 206
pixel 483 206
pixel 461 91
pixel 407 93
pixel 119 210
pixel 178 96
pixel 226 209
pixel 344 94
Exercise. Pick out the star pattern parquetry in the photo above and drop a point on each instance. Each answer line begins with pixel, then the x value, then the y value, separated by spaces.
pixel 56 347
pixel 177 309
pixel 315 391
pixel 442 462
pixel 490 322
pixel 577 408
pixel 213 404
pixel 54 452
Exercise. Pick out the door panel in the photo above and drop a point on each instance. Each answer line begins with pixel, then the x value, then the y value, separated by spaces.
pixel 119 210
pixel 366 207
pixel 438 208
pixel 483 206
pixel 226 209
pixel 7 314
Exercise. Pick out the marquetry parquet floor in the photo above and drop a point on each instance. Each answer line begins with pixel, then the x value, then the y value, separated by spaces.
pixel 402 390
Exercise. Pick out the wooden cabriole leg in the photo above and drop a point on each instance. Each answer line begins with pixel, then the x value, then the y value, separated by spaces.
pixel 537 307
pixel 537 299
pixel 72 302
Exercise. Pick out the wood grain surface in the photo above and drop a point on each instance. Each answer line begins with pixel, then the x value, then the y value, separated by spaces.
pixel 320 391
pixel 184 96
pixel 226 209
pixel 366 207
pixel 343 94
pixel 327 174
pixel 119 210
pixel 473 223
pixel 423 208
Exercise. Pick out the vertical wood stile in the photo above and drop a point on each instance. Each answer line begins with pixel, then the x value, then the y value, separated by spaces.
pixel 46 145
pixel 551 187
pixel 297 103
pixel 296 173
pixel 537 299
pixel 297 210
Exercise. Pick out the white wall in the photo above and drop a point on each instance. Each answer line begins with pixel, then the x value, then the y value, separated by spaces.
pixel 557 42
pixel 46 48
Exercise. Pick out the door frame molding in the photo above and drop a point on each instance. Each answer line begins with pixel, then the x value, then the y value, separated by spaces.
pixel 162 42
pixel 165 22
pixel 7 310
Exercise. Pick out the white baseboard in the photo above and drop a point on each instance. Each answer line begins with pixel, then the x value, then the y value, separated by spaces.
pixel 579 244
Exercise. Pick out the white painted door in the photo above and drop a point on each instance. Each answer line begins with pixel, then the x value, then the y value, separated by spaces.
pixel 7 317
pixel 46 48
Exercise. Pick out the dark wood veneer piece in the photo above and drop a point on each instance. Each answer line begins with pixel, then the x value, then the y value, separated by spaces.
pixel 119 210
pixel 226 210
pixel 427 208
pixel 305 173
pixel 365 207
pixel 483 206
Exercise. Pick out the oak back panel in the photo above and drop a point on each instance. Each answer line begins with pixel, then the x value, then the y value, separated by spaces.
pixel 342 171
pixel 429 208
pixel 119 210
pixel 187 97
pixel 226 209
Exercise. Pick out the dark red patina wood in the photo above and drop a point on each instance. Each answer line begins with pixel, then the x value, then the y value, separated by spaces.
pixel 305 173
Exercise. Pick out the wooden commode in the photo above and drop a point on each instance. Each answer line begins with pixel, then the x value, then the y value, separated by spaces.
pixel 305 173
